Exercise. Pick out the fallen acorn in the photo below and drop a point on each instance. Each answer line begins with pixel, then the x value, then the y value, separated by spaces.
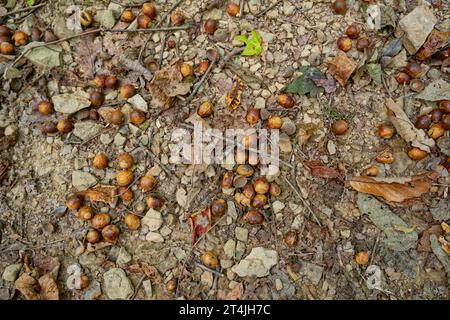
pixel 209 259
pixel 254 217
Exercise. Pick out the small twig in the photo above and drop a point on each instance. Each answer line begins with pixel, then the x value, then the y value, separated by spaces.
pixel 138 287
pixel 23 10
pixel 259 14
pixel 199 84
pixel 220 274
pixel 155 29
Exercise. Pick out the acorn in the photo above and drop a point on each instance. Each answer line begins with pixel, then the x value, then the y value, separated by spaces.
pixel 85 213
pixel 413 69
pixel 5 39
pixel 239 181
pixel 99 81
pixel 110 233
pixel 127 16
pixel 386 157
pixel 344 43
pixel 49 127
pixel 340 6
pixel 416 85
pixel 233 9
pixel 186 70
pixel 137 117
pixel 74 202
pixel 86 18
pixel 261 185
pixel 212 55
pixel 203 67
pixel 249 191
pixel 6 48
pixel 436 131
pixel 274 189
pixel 154 202
pixel 402 78
pixel 416 154
pixel 291 238
pixel 436 115
pixel 125 160
pixel 252 116
pixel 5 31
pixel 210 26
pixel 254 217
pixel 259 201
pixel 245 170
pixel 171 43
pixel 177 18
pixel 45 107
pixel 352 31
pixel 100 161
pixel 124 178
pixel 171 285
pixel 149 10
pixel 205 109
pixel 446 122
pixel 286 101
pixel 143 21
pixel 125 194
pixel 111 81
pixel 64 125
pixel 84 282
pixel 116 117
pixel 127 91
pixel 100 220
pixel 93 236
pixel 423 122
pixel 362 43
pixel 444 105
pixel 20 38
pixel 148 183
pixel 241 199
pixel 339 127
pixel 218 208
pixel 274 122
pixel 210 260
pixel 362 258
pixel 227 180
pixel 370 172
pixel 97 98
pixel 132 221
pixel 385 131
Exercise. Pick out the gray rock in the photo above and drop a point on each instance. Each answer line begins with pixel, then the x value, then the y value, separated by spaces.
pixel 416 27
pixel 11 272
pixel 229 248
pixel 436 91
pixel 147 285
pixel 123 257
pixel 312 271
pixel 70 102
pixel 105 18
pixel 12 73
pixel 152 219
pixel 86 130
pixel 257 263
pixel 241 234
pixel 154 237
pixel 231 211
pixel 47 57
pixel 440 210
pixel 138 102
pixel 288 126
pixel 83 180
pixel 119 140
pixel 105 138
pixel 116 284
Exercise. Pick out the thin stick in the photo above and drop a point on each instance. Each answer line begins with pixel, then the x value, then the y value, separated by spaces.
pixel 138 287
pixel 220 274
pixel 23 10
pixel 199 84
pixel 183 27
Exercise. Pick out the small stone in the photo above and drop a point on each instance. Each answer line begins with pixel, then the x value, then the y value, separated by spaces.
pixel 312 271
pixel 229 248
pixel 105 18
pixel 154 237
pixel 258 263
pixel 260 103
pixel 241 234
pixel 331 147
pixel 277 206
pixel 152 220
pixel 138 102
pixel 147 285
pixel 117 285
pixel 288 9
pixel 434 74
pixel 11 272
pixel 181 197
pixel 86 130
pixel 105 139
pixel 70 102
pixel 278 284
pixel 240 250
pixel 123 257
pixel 288 126
pixel 83 180
pixel 285 143
pixel 119 140
pixel 225 263
pixel 231 211
pixel 94 291
pixel 207 279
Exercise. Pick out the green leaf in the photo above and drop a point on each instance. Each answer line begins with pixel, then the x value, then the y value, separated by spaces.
pixel 252 45
pixel 303 84
pixel 31 2
pixel 374 71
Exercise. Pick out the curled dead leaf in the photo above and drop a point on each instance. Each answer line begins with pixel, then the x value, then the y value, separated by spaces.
pixel 393 189
pixel 101 193
pixel 318 169
pixel 233 98
pixel 406 128
pixel 200 223
pixel 341 68
pixel 43 289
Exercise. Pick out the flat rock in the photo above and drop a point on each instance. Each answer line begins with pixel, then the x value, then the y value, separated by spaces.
pixel 241 234
pixel 70 102
pixel 123 257
pixel 47 57
pixel 312 271
pixel 154 237
pixel 257 263
pixel 152 220
pixel 117 286
pixel 436 91
pixel 416 26
pixel 229 248
pixel 138 102
pixel 86 130
pixel 11 272
pixel 105 18
pixel 83 180
pixel 148 289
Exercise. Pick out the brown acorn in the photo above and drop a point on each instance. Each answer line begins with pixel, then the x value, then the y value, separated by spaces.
pixel 446 122
pixel 416 154
pixel 127 16
pixel 339 127
pixel 5 31
pixel 402 78
pixel 249 191
pixel 49 127
pixel 386 157
pixel 261 185
pixel 110 233
pixel 45 107
pixel 245 170
pixel 291 238
pixel 177 18
pixel 254 217
pixel 149 10
pixel 218 208
pixel 274 189
pixel 352 31
pixel 423 122
pixel 444 105
pixel 125 160
pixel 148 183
pixel 239 181
pixel 362 43
pixel 20 38
pixel 127 91
pixel 370 172
pixel 203 67
pixel 154 202
pixel 286 101
pixel 171 285
pixel 100 161
pixel 86 18
pixel 171 43
pixel 93 236
pixel 111 81
pixel 436 131
pixel 143 21
pixel 233 9
pixel 99 81
pixel 125 194
pixel 74 202
pixel 436 115
pixel 64 125
pixel 97 98
pixel 132 221
pixel 100 220
pixel 210 26
pixel 137 117
pixel 362 258
pixel 340 6
pixel 116 117
pixel 413 69
pixel 252 116
pixel 210 260
pixel 274 122
pixel 6 48
pixel 205 109
pixel 186 70
pixel 227 180
pixel 124 177
pixel 385 131
pixel 259 201
pixel 344 43
pixel 85 213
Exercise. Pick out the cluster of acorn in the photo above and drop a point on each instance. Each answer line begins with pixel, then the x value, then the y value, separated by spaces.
pixel 411 75
pixel 9 39
pixel 344 43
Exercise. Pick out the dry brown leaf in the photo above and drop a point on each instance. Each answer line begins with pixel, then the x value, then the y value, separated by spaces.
pixel 393 189
pixel 406 128
pixel 233 98
pixel 43 289
pixel 85 53
pixel 101 193
pixel 436 40
pixel 318 169
pixel 341 68
pixel 305 132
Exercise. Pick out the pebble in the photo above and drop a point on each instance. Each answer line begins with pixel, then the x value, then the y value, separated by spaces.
pixel 93 291
pixel 105 138
pixel 285 143
pixel 11 272
pixel 241 234
pixel 240 250
pixel 70 102
pixel 207 279
pixel 83 180
pixel 331 147
pixel 105 18
pixel 434 74
pixel 231 211
pixel 117 285
pixel 86 130
pixel 278 284
pixel 260 103
pixel 288 126
pixel 119 140
pixel 277 206
pixel 138 102
pixel 154 237
pixel 123 257
pixel 152 220
pixel 147 285
pixel 258 263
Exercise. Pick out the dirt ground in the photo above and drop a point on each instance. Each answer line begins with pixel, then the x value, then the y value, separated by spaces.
pixel 36 230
